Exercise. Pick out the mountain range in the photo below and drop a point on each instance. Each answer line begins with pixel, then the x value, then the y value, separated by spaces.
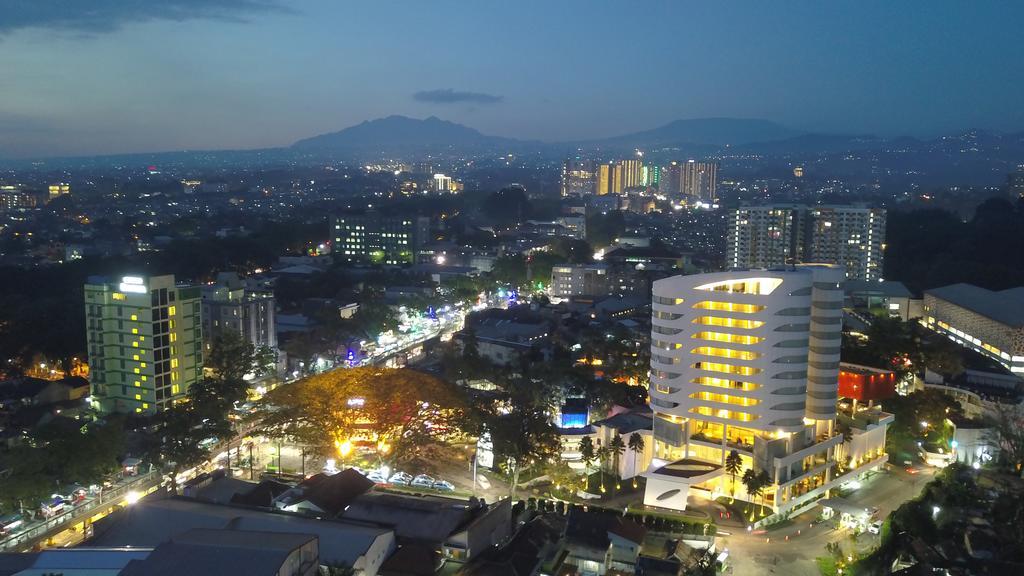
pixel 402 132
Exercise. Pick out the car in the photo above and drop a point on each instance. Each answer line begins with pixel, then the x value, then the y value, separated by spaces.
pixel 444 486
pixel 376 476
pixel 423 481
pixel 400 478
pixel 875 527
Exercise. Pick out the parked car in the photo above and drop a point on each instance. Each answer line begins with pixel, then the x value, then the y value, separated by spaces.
pixel 423 481
pixel 400 478
pixel 376 476
pixel 875 527
pixel 444 485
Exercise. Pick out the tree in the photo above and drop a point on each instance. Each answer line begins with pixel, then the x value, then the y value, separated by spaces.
pixel 616 448
pixel 636 445
pixel 733 465
pixel 752 483
pixel 602 459
pixel 587 455
pixel 763 481
pixel 402 411
pixel 1009 432
pixel 522 439
pixel 507 206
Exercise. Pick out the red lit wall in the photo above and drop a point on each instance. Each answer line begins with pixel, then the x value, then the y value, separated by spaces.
pixel 869 386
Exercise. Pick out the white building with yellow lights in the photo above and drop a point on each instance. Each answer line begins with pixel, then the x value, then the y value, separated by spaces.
pixel 747 361
pixel 145 342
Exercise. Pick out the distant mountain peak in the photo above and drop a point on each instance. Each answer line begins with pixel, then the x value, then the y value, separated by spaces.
pixel 397 131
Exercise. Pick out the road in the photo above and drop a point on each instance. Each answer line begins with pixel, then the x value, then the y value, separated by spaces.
pixel 61 528
pixel 792 549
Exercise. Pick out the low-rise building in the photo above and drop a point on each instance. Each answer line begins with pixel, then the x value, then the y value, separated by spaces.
pixel 986 321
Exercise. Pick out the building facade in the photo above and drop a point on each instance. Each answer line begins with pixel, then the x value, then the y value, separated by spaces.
pixel 699 181
pixel 988 322
pixel 373 236
pixel 782 234
pixel 144 341
pixel 747 361
pixel 578 177
pixel 579 280
pixel 232 308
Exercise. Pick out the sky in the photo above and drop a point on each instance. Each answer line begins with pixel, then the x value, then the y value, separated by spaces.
pixel 113 76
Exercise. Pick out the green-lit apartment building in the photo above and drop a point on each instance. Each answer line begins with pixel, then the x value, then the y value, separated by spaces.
pixel 145 342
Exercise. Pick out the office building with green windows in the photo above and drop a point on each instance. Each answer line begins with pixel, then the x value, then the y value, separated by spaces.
pixel 378 238
pixel 145 342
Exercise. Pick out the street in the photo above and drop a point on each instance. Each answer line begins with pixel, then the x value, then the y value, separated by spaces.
pixel 792 548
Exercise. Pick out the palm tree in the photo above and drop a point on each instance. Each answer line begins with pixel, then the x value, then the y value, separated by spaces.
pixel 636 444
pixel 763 481
pixel 602 457
pixel 733 465
pixel 587 456
pixel 749 481
pixel 616 448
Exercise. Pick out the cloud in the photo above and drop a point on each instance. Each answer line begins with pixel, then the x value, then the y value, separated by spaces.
pixel 449 96
pixel 102 16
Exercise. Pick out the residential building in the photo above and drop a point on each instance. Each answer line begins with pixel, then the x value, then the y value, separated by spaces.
pixel 671 177
pixel 504 337
pixel 145 342
pixel 378 237
pixel 986 321
pixel 579 280
pixel 749 361
pixel 699 181
pixel 781 234
pixel 599 542
pixel 229 306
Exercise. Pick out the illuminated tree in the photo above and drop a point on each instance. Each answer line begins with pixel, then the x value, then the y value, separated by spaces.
pixel 400 411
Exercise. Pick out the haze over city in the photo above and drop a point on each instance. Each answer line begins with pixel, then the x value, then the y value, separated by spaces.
pixel 117 77
pixel 491 288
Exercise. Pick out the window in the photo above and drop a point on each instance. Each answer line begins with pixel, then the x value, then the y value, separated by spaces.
pixel 726 353
pixel 728 322
pixel 728 307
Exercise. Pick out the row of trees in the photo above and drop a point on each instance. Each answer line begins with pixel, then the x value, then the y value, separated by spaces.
pixel 609 453
pixel 754 481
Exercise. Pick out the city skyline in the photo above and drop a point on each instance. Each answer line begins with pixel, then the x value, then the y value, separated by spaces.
pixel 239 74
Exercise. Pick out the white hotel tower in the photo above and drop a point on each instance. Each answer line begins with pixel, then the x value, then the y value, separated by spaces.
pixel 747 361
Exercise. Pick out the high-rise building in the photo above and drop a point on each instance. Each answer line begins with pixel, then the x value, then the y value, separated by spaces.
pixel 632 173
pixel 699 181
pixel 850 236
pixel 229 307
pixel 748 361
pixel 651 175
pixel 765 236
pixel 671 175
pixel 578 178
pixel 782 234
pixel 145 342
pixel 380 238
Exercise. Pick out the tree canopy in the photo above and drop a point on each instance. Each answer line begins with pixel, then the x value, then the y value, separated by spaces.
pixel 399 410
